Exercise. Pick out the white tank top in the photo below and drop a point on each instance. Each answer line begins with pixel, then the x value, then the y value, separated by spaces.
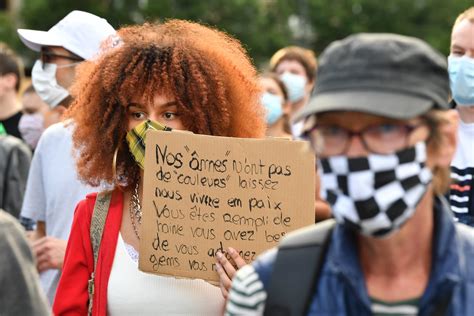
pixel 133 292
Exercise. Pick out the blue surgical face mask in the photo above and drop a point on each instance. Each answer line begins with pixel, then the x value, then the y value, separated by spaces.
pixel 274 107
pixel 461 77
pixel 295 85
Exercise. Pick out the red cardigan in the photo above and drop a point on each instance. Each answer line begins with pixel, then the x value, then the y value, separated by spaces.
pixel 72 295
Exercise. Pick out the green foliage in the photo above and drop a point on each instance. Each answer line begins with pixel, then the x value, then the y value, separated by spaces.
pixel 262 25
pixel 259 25
pixel 430 20
pixel 8 32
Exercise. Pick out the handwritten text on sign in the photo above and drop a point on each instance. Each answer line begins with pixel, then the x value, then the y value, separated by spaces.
pixel 203 194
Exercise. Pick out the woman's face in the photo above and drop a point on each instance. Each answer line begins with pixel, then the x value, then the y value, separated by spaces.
pixel 32 103
pixel 163 110
pixel 292 66
pixel 269 85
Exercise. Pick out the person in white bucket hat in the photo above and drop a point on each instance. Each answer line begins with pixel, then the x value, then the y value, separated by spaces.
pixel 53 188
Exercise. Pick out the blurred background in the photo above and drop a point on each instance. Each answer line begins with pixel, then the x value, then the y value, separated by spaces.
pixel 263 26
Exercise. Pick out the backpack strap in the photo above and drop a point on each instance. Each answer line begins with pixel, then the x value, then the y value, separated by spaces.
pixel 99 215
pixel 296 269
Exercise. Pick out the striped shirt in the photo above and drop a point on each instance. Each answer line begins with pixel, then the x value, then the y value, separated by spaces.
pixel 247 297
pixel 461 189
pixel 401 308
pixel 462 172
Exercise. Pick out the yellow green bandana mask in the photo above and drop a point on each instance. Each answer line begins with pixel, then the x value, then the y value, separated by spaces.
pixel 136 139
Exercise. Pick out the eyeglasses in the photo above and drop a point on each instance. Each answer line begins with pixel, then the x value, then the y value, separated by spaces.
pixel 49 57
pixel 331 140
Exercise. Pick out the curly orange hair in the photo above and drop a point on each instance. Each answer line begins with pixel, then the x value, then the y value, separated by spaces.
pixel 208 74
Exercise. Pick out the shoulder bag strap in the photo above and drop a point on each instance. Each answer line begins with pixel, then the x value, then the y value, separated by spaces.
pixel 101 208
pixel 296 270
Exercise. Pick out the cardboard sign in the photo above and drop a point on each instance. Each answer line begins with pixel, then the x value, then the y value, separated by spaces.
pixel 203 194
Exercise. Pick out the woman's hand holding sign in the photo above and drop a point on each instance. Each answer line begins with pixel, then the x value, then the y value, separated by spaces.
pixel 227 269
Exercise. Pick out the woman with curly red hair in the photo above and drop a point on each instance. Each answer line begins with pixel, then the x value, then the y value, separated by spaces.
pixel 182 75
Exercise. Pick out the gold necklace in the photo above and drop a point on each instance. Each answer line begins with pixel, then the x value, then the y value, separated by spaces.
pixel 135 211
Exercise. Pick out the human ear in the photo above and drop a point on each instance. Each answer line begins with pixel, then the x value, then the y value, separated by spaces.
pixel 449 138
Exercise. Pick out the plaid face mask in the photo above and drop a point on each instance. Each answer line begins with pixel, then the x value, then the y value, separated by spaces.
pixel 377 194
pixel 136 139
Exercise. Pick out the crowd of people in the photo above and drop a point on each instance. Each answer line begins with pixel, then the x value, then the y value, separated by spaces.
pixel 389 119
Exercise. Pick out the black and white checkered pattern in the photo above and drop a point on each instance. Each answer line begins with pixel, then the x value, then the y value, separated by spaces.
pixel 378 193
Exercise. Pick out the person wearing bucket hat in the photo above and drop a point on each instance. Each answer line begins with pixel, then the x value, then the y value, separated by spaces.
pixel 381 127
pixel 461 75
pixel 53 188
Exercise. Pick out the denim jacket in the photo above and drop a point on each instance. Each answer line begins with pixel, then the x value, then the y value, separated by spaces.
pixel 341 287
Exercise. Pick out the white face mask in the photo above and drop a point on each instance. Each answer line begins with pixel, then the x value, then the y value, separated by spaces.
pixel 45 84
pixel 31 128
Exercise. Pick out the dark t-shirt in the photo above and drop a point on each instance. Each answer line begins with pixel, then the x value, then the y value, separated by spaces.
pixel 11 125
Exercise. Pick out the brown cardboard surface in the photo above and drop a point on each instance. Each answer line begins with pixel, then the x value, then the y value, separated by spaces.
pixel 204 193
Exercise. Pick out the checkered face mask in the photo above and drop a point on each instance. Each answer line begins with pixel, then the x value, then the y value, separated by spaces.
pixel 377 194
pixel 136 139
